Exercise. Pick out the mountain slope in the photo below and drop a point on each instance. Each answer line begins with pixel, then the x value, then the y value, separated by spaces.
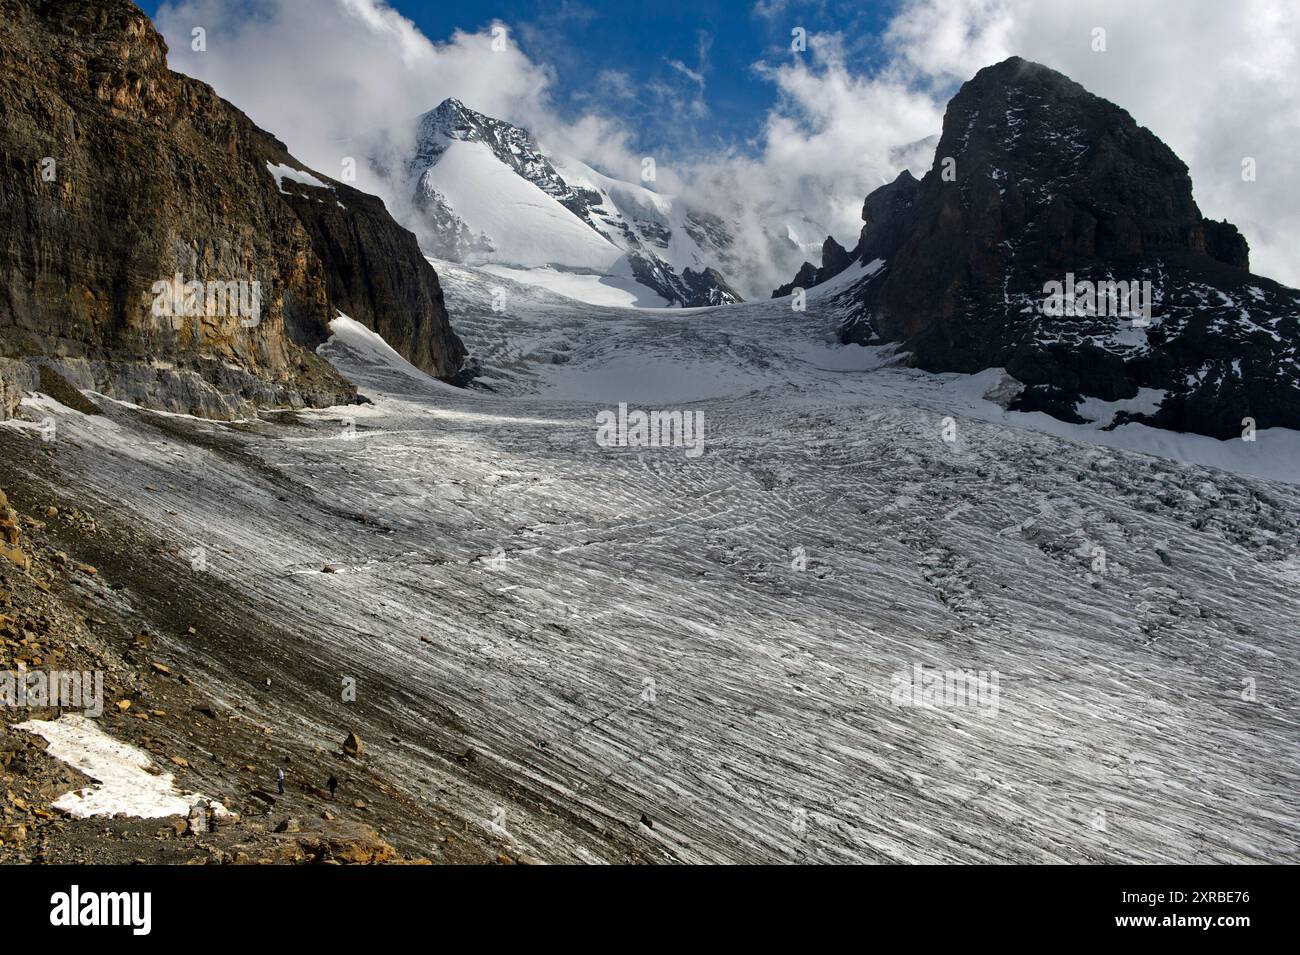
pixel 1036 181
pixel 117 174
pixel 485 191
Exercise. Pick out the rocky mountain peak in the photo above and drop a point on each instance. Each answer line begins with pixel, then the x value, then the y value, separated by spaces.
pixel 1037 181
pixel 453 119
pixel 513 145
pixel 451 105
pixel 1027 140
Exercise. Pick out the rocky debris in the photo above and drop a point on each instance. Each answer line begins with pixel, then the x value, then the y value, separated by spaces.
pixel 53 615
pixel 223 820
pixel 11 535
pixel 331 843
pixel 353 746
pixel 86 85
pixel 343 843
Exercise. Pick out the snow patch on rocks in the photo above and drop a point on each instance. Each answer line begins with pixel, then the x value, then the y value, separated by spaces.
pixel 124 782
pixel 282 172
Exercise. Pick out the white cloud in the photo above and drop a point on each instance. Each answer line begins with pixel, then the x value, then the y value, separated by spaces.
pixel 317 71
pixel 616 84
pixel 770 9
pixel 696 105
pixel 693 75
pixel 823 148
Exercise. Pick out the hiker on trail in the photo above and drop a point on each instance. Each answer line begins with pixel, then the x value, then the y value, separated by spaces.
pixel 279 780
pixel 333 784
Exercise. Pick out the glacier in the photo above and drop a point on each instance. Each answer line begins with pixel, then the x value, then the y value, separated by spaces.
pixel 655 657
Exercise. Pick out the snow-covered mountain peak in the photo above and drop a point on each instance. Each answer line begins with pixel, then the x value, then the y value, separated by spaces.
pixel 451 120
pixel 485 191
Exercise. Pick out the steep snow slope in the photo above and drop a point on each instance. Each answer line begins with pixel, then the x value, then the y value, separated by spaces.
pixel 634 217
pixel 610 289
pixel 525 226
pixel 656 656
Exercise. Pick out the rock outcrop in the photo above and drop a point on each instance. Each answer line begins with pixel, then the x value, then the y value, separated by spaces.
pixel 1042 194
pixel 707 287
pixel 884 213
pixel 117 176
pixel 11 535
pixel 835 259
pixel 805 279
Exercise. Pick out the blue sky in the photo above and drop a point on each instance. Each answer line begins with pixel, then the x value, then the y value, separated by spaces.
pixel 639 61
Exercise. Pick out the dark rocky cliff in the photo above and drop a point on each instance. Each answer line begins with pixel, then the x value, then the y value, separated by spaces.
pixel 116 174
pixel 1036 180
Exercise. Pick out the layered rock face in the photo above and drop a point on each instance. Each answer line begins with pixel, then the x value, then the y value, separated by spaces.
pixel 1038 185
pixel 123 183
